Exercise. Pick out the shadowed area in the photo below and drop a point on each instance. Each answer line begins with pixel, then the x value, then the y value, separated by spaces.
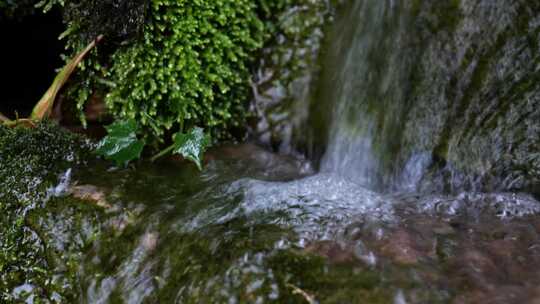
pixel 30 55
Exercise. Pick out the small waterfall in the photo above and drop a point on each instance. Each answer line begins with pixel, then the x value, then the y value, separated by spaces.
pixel 431 95
pixel 366 87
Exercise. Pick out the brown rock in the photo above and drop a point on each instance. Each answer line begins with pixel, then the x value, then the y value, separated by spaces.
pixel 150 240
pixel 335 253
pixel 476 269
pixel 91 194
pixel 402 248
pixel 535 297
pixel 499 295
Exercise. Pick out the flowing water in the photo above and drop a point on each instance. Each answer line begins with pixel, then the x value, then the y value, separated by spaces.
pixel 432 96
pixel 255 227
pixel 406 204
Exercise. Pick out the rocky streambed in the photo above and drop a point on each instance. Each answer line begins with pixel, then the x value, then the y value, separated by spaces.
pixel 258 227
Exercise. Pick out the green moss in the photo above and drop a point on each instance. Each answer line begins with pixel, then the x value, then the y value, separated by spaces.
pixel 182 64
pixel 31 160
pixel 177 64
pixel 335 284
pixel 231 264
pixel 190 68
pixel 453 15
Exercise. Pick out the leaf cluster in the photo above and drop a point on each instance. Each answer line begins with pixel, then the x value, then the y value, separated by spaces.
pixel 122 144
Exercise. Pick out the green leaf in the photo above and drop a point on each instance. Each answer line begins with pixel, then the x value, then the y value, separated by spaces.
pixel 121 143
pixel 192 145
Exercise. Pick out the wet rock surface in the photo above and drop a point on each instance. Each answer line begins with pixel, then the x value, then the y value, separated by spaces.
pixel 90 194
pixel 232 233
pixel 33 164
pixel 402 248
pixel 285 74
pixel 432 96
pixel 247 228
pixel 437 100
pixel 456 259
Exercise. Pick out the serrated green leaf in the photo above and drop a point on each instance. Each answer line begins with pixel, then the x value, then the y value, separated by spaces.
pixel 121 143
pixel 192 145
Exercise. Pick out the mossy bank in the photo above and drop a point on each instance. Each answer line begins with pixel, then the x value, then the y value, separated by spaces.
pixel 173 65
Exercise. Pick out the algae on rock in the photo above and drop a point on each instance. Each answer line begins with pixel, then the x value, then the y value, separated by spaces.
pixel 430 95
pixel 286 71
pixel 31 161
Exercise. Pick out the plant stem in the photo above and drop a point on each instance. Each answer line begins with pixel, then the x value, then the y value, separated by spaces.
pixel 44 107
pixel 162 153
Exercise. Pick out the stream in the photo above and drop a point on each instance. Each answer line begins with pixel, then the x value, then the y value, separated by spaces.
pixel 420 183
pixel 255 227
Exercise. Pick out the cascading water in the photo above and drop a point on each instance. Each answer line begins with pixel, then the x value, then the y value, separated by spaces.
pixel 416 100
pixel 366 85
pixel 432 95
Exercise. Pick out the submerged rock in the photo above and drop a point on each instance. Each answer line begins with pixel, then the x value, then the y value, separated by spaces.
pixel 333 251
pixel 402 248
pixel 236 232
pixel 89 193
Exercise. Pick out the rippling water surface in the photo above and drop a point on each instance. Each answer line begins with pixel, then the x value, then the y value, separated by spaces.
pixel 255 227
pixel 425 114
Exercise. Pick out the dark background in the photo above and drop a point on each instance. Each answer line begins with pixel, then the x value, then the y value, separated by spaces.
pixel 30 55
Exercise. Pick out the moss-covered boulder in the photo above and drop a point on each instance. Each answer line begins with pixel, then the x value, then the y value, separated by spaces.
pixel 31 163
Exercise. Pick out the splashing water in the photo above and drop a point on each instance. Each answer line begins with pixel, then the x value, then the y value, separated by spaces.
pixel 403 210
pixel 432 96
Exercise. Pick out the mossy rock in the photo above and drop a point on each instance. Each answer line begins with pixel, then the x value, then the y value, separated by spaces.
pixel 31 161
